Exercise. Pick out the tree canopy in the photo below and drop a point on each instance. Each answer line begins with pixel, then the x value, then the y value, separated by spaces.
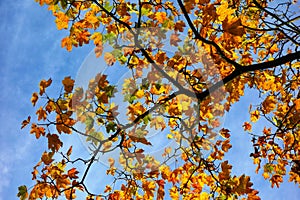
pixel 188 62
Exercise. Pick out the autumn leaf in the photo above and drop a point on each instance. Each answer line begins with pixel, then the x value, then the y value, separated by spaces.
pixel 254 116
pixel 72 173
pixel 225 133
pixel 67 43
pixel 62 21
pixel 34 98
pixel 26 122
pixel 297 105
pixel 54 143
pixel 174 39
pixel 269 104
pixel 68 84
pixel 142 140
pixel 233 27
pixel 179 26
pixel 43 85
pixel 37 130
pixel 98 50
pixel 47 158
pixel 247 126
pixel 69 152
pixel 109 58
pixel 42 115
pixel 160 16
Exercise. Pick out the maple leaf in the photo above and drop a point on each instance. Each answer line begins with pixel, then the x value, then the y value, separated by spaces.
pixel 34 98
pixel 67 42
pixel 62 20
pixel 174 39
pixel 233 27
pixel 225 133
pixel 297 105
pixel 98 50
pixel 247 126
pixel 26 122
pixel 22 192
pixel 142 140
pixel 43 85
pixel 42 115
pixel 226 145
pixel 109 58
pixel 47 158
pixel 37 130
pixel 269 104
pixel 179 26
pixel 160 16
pixel 276 180
pixel 254 116
pixel 68 84
pixel 72 173
pixel 54 143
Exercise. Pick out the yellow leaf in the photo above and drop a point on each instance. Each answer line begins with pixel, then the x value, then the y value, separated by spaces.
pixel 139 93
pixel 169 136
pixel 254 116
pixel 62 20
pixel 269 104
pixel 160 17
pixel 274 48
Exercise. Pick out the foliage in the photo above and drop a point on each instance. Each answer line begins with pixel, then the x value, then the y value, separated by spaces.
pixel 240 45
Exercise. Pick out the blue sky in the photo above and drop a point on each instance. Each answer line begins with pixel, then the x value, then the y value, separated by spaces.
pixel 30 52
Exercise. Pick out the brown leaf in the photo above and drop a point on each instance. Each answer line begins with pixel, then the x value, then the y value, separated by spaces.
pixel 26 122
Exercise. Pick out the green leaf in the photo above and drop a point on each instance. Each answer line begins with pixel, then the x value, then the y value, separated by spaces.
pixel 111 126
pixel 22 194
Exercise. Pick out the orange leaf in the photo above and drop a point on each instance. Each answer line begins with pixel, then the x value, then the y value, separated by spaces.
pixel 224 133
pixel 72 173
pixel 38 131
pixel 297 105
pixel 44 84
pixel 42 115
pixel 67 42
pixel 160 17
pixel 25 122
pixel 34 98
pixel 62 20
pixel 47 158
pixel 247 126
